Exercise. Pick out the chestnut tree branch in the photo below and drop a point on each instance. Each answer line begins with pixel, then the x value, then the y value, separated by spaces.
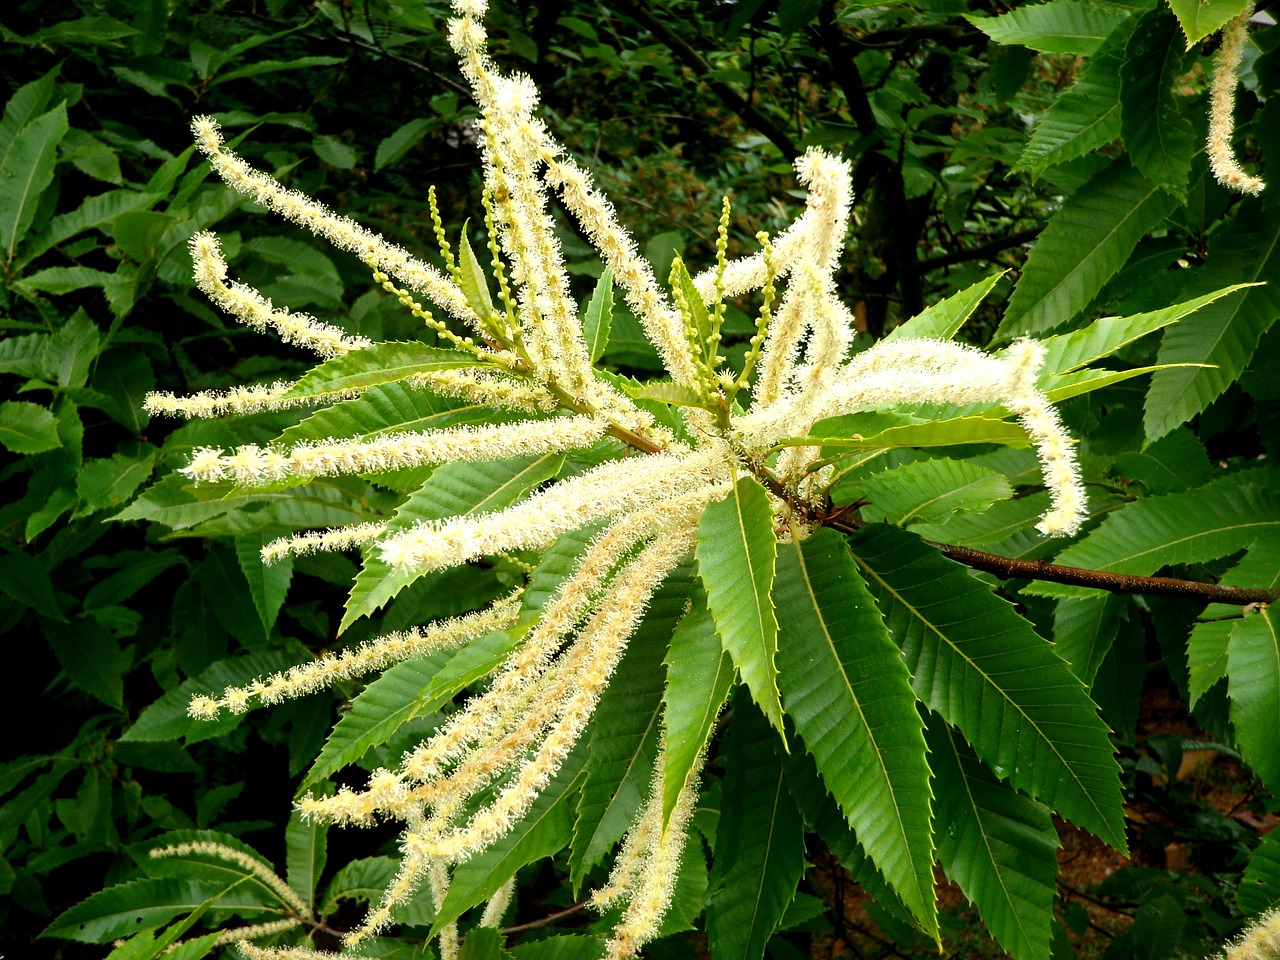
pixel 1011 568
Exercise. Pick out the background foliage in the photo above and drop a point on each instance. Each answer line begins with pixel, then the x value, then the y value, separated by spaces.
pixel 983 138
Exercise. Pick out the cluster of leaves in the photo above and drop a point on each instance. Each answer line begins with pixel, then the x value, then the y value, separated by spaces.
pixel 98 195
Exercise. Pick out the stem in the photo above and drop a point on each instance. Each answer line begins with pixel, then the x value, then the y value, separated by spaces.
pixel 984 251
pixel 544 921
pixel 617 431
pixel 1009 568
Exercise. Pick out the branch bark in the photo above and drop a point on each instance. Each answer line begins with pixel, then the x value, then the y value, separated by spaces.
pixel 1012 568
pixel 983 251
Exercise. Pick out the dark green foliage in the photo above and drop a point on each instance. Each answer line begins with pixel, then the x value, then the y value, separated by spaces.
pixel 1104 207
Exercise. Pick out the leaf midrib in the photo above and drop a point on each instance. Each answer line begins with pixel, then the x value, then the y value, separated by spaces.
pixel 751 565
pixel 982 832
pixel 879 755
pixel 914 511
pixel 1088 259
pixel 768 849
pixel 1260 269
pixel 986 678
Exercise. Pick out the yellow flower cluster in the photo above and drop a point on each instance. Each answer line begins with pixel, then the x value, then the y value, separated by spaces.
pixel 1261 941
pixel 252 465
pixel 251 864
pixel 481 770
pixel 1222 103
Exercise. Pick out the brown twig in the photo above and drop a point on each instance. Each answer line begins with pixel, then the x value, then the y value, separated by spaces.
pixel 985 251
pixel 1012 568
pixel 544 921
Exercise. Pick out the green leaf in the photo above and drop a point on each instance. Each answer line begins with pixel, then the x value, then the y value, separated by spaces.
pixel 949 432
pixel 823 816
pixel 930 491
pixel 452 490
pixel 483 943
pixel 25 580
pixel 1086 381
pixel 72 349
pixel 381 363
pixel 1206 654
pixel 140 233
pixel 262 67
pixel 693 299
pixel 1199 18
pixel 845 686
pixel 700 674
pixel 145 946
pixel 565 947
pixel 943 319
pixel 107 484
pixel 759 855
pixel 599 316
pixel 1084 245
pixel 407 690
pixel 983 668
pixel 83 30
pixel 1225 334
pixel 362 880
pixel 137 569
pixel 559 562
pixel 1207 645
pixel 23 355
pixel 1175 462
pixel 1068 352
pixel 1159 139
pixel 91 658
pixel 27 102
pixel 365 881
pixel 1260 887
pixel 268 584
pixel 736 552
pixel 59 280
pixel 404 139
pixel 167 718
pixel 1202 524
pixel 95 213
pixel 664 391
pixel 233 606
pixel 27 427
pixel 1084 630
pixel 128 908
pixel 27 173
pixel 624 735
pixel 1059 26
pixel 542 832
pixel 998 846
pixel 125 377
pixel 1157 928
pixel 475 285
pixel 1086 115
pixel 1253 679
pixel 305 851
